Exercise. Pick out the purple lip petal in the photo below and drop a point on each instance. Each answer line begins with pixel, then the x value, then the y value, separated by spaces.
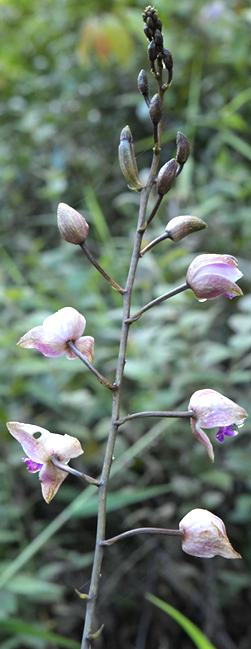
pixel 229 431
pixel 32 467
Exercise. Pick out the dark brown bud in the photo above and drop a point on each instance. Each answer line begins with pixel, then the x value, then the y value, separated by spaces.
pixel 150 23
pixel 72 225
pixel 143 84
pixel 158 38
pixel 167 59
pixel 181 226
pixel 152 51
pixel 166 177
pixel 147 33
pixel 159 24
pixel 155 110
pixel 183 148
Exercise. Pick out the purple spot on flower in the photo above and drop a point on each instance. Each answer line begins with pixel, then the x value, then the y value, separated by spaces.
pixel 32 467
pixel 229 431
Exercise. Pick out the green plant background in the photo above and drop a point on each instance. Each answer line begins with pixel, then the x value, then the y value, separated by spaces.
pixel 68 79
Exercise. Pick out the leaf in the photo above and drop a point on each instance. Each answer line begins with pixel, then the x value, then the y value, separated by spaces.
pixel 192 630
pixel 15 625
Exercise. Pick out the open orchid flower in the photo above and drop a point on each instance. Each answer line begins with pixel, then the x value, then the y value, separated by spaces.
pixel 204 535
pixel 39 445
pixel 212 275
pixel 51 338
pixel 213 409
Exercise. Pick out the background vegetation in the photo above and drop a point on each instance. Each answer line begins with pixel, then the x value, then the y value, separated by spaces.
pixel 68 78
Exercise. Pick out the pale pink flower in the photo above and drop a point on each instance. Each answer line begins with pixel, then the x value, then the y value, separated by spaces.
pixel 58 329
pixel 39 444
pixel 212 275
pixel 213 409
pixel 204 535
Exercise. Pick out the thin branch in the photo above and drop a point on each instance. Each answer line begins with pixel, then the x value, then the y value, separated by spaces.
pixel 157 301
pixel 142 530
pixel 153 212
pixel 99 376
pixel 154 242
pixel 95 263
pixel 155 413
pixel 68 469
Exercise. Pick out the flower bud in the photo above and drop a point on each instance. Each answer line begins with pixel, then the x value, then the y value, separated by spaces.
pixel 166 177
pixel 212 275
pixel 204 535
pixel 127 160
pixel 181 226
pixel 167 59
pixel 155 110
pixel 143 84
pixel 152 51
pixel 158 38
pixel 72 225
pixel 183 148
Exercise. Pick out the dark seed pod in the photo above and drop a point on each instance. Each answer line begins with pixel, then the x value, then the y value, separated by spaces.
pixel 167 59
pixel 159 24
pixel 166 177
pixel 183 148
pixel 152 51
pixel 143 84
pixel 155 110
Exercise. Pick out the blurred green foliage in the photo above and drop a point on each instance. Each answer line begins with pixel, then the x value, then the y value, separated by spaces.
pixel 68 78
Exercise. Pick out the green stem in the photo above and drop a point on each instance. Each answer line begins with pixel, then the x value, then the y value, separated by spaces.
pixel 99 376
pixel 155 413
pixel 157 301
pixel 154 243
pixel 100 536
pixel 95 263
pixel 142 530
pixel 68 469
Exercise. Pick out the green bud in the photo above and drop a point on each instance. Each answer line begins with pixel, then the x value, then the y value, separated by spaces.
pixel 127 160
pixel 155 109
pixel 166 177
pixel 72 225
pixel 181 226
pixel 183 148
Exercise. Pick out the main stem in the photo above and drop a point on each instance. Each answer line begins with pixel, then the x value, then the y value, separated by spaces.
pixel 103 488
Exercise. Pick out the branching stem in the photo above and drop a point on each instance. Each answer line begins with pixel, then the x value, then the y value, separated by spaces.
pixel 69 469
pixel 142 530
pixel 99 376
pixel 98 555
pixel 157 301
pixel 95 263
pixel 155 413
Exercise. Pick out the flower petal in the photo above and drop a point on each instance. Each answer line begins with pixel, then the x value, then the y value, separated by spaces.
pixel 33 467
pixel 46 342
pixel 202 437
pixel 85 345
pixel 34 448
pixel 51 478
pixel 229 431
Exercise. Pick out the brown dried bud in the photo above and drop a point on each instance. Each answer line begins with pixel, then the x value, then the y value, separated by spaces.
pixel 147 33
pixel 183 148
pixel 155 109
pixel 181 226
pixel 166 177
pixel 72 225
pixel 158 38
pixel 143 84
pixel 167 59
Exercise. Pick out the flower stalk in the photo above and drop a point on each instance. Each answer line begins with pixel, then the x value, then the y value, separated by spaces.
pixel 141 530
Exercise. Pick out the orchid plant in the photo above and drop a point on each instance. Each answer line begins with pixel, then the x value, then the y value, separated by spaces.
pixel 202 533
